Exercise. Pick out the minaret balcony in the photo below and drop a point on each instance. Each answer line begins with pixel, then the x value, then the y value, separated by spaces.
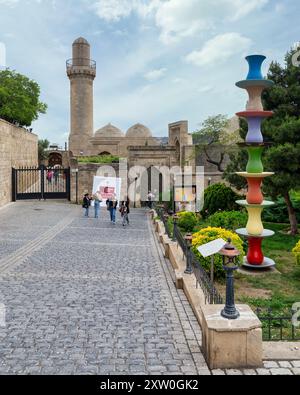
pixel 81 66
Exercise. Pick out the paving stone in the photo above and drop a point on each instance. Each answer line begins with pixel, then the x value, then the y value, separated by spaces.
pixel 90 299
pixel 249 372
pixel 270 364
pixel 296 371
pixel 296 364
pixel 234 372
pixel 218 372
pixel 285 364
pixel 281 372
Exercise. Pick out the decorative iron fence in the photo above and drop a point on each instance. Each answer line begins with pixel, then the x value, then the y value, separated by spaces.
pixel 40 183
pixel 278 327
pixel 164 218
pixel 211 294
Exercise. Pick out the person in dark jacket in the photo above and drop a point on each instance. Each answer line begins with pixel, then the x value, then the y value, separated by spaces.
pixel 86 204
pixel 112 205
pixel 125 211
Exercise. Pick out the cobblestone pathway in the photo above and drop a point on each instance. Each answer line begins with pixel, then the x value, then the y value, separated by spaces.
pixel 85 297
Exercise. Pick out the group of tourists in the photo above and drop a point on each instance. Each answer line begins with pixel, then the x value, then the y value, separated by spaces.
pixel 52 174
pixel 112 206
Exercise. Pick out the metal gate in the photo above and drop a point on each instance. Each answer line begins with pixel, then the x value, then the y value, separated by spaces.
pixel 40 183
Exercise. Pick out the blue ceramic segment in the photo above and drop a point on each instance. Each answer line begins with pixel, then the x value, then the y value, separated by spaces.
pixel 255 65
pixel 254 130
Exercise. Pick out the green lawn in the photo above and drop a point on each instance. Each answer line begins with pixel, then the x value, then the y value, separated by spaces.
pixel 276 290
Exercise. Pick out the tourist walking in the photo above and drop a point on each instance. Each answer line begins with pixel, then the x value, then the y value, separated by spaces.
pixel 151 198
pixel 112 205
pixel 56 175
pixel 86 205
pixel 49 176
pixel 97 198
pixel 125 211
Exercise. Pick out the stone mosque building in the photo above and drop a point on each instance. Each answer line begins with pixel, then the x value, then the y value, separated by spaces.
pixel 138 144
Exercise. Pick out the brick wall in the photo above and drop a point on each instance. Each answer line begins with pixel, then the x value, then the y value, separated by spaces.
pixel 17 148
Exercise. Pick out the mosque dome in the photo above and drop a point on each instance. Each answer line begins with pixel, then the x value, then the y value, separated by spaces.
pixel 81 40
pixel 109 131
pixel 139 131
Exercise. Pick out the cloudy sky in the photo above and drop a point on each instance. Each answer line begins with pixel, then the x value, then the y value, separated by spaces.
pixel 158 61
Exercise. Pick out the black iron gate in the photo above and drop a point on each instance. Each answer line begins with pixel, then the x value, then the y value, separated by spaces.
pixel 40 183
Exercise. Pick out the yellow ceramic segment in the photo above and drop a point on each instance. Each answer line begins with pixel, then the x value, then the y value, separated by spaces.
pixel 255 226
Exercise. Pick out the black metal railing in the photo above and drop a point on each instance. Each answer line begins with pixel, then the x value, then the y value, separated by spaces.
pixel 180 240
pixel 41 183
pixel 164 218
pixel 278 327
pixel 81 62
pixel 212 296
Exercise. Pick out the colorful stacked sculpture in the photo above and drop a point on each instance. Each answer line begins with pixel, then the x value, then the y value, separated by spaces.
pixel 255 84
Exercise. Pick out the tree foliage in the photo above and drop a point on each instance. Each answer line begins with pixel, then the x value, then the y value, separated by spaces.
pixel 19 98
pixel 43 145
pixel 215 133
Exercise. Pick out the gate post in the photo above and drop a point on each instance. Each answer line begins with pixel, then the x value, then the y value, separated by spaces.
pixel 14 185
pixel 42 170
pixel 68 183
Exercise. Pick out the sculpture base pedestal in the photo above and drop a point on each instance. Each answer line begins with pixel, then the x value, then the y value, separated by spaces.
pixel 267 264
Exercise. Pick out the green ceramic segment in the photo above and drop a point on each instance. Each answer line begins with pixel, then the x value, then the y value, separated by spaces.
pixel 255 164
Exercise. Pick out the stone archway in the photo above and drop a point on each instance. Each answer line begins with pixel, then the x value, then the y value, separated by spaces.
pixel 105 153
pixel 55 159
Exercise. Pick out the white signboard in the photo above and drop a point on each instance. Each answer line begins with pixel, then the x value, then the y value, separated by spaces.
pixel 107 188
pixel 212 248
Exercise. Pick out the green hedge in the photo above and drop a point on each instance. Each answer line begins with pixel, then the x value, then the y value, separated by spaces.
pixel 99 159
pixel 230 220
pixel 219 197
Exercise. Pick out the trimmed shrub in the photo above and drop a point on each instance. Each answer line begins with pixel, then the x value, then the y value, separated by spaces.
pixel 187 221
pixel 296 252
pixel 209 234
pixel 219 197
pixel 99 159
pixel 230 220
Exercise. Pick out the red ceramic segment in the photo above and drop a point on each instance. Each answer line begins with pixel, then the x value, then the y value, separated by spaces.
pixel 255 255
pixel 251 114
pixel 254 195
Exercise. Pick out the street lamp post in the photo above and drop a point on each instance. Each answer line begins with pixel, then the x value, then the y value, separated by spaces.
pixel 175 219
pixel 188 239
pixel 135 182
pixel 230 264
pixel 166 219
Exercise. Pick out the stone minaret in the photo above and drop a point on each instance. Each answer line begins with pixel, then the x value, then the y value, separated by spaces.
pixel 81 71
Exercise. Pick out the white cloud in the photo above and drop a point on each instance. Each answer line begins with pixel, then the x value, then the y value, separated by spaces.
pixel 113 10
pixel 219 49
pixel 155 75
pixel 178 19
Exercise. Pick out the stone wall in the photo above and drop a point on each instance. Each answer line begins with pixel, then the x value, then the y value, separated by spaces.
pixel 85 173
pixel 17 148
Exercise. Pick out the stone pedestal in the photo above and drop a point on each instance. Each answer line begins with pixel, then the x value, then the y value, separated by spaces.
pixel 229 344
